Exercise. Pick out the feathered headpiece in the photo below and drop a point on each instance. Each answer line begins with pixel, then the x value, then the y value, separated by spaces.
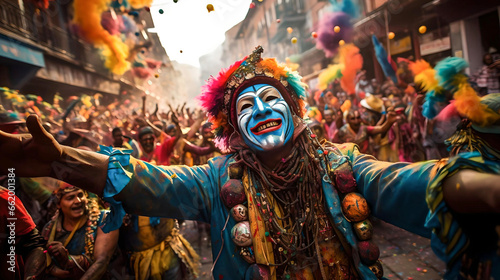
pixel 218 96
pixel 446 81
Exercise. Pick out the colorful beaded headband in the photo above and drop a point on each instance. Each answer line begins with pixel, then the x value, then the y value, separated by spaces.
pixel 218 94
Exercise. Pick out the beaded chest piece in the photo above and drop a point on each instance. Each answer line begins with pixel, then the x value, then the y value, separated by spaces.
pixel 296 238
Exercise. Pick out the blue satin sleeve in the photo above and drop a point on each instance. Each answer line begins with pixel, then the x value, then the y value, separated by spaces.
pixel 137 187
pixel 395 192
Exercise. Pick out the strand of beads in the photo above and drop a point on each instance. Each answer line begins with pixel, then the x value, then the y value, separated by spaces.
pixel 233 196
pixel 356 210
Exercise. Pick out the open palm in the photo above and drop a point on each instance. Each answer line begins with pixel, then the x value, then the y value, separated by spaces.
pixel 31 155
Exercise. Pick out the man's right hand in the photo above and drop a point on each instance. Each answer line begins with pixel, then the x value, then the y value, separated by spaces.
pixel 30 155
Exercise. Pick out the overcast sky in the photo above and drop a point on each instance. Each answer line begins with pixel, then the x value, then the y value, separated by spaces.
pixel 187 25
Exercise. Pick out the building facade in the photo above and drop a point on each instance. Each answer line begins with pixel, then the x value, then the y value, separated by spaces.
pixel 41 53
pixel 460 28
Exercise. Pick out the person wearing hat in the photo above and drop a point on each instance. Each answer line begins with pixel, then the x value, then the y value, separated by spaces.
pixel 373 108
pixel 76 247
pixel 281 204
pixel 10 122
pixel 474 134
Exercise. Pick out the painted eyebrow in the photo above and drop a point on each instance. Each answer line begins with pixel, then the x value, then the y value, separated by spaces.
pixel 261 91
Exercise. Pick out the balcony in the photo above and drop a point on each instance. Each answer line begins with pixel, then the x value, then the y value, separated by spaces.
pixel 36 29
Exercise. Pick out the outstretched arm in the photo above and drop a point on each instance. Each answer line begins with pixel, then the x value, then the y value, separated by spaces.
pixel 39 155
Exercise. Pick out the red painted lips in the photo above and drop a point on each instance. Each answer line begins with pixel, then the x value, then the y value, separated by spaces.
pixel 266 126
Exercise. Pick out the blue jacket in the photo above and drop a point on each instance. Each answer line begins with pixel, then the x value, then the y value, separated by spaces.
pixel 395 192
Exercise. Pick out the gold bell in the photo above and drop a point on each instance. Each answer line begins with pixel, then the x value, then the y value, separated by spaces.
pixel 377 269
pixel 363 229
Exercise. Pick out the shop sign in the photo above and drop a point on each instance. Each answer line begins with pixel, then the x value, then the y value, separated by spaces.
pixel 435 46
pixel 401 46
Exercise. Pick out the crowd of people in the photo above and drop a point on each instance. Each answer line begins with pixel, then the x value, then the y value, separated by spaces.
pixel 61 235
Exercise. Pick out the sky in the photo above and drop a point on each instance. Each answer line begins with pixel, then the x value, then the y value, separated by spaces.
pixel 187 25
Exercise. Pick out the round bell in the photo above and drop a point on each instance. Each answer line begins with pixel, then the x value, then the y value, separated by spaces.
pixel 355 207
pixel 368 252
pixel 247 254
pixel 377 269
pixel 241 234
pixel 363 229
pixel 257 272
pixel 233 193
pixel 239 213
pixel 235 171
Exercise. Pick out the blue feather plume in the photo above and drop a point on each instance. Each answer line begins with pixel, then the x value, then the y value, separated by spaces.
pixel 381 55
pixel 446 71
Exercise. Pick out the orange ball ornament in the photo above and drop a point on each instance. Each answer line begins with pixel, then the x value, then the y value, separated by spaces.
pixel 294 40
pixel 336 29
pixel 157 75
pixel 422 29
pixel 278 20
pixel 210 8
pixel 391 35
pixel 314 35
pixel 341 42
pixel 355 207
pixel 290 30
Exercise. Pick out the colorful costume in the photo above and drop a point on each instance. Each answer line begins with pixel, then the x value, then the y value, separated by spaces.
pixel 156 248
pixel 81 240
pixel 306 218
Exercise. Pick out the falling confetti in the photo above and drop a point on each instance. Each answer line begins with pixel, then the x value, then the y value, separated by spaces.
pixel 161 11
pixel 290 30
pixel 391 35
pixel 210 8
pixel 422 29
pixel 341 42
pixel 336 29
pixel 294 40
pixel 157 75
pixel 314 35
pixel 181 51
pixel 252 5
pixel 278 20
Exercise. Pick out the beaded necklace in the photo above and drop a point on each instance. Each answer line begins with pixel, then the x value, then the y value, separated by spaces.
pixel 292 209
pixel 294 186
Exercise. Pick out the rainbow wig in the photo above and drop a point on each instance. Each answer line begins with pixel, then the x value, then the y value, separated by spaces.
pixel 219 94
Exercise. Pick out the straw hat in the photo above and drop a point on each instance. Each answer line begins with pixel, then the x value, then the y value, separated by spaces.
pixel 373 103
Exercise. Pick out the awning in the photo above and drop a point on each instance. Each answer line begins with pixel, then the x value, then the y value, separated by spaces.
pixel 13 50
